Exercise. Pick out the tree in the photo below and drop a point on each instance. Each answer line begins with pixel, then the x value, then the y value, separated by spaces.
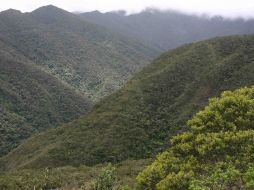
pixel 216 153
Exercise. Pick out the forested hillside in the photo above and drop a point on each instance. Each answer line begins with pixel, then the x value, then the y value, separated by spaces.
pixel 53 65
pixel 137 121
pixel 32 100
pixel 88 57
pixel 85 103
pixel 169 29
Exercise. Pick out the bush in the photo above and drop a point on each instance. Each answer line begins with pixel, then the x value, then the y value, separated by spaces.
pixel 107 179
pixel 216 154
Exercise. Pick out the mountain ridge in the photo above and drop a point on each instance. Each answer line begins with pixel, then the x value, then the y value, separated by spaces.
pixel 32 100
pixel 170 29
pixel 136 121
pixel 67 65
pixel 86 56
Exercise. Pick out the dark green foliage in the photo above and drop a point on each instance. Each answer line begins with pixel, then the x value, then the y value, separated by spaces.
pixel 50 61
pixel 169 29
pixel 32 100
pixel 217 153
pixel 137 121
pixel 87 57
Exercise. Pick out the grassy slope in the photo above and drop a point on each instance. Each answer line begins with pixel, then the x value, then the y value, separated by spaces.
pixel 87 57
pixel 31 100
pixel 70 177
pixel 136 121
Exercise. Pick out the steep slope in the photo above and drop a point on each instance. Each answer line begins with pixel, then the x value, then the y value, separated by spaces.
pixel 136 121
pixel 169 29
pixel 87 57
pixel 31 100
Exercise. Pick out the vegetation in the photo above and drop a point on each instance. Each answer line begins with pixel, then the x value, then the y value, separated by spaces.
pixel 51 60
pixel 137 121
pixel 217 153
pixel 119 176
pixel 169 29
pixel 32 100
pixel 107 179
pixel 53 64
pixel 87 57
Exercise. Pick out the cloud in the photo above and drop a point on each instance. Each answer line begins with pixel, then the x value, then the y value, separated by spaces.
pixel 229 8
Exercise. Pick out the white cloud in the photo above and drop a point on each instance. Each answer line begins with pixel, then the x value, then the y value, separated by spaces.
pixel 230 8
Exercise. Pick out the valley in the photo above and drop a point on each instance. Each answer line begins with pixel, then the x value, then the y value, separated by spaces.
pixel 154 100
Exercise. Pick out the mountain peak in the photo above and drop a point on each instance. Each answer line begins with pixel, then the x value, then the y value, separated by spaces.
pixel 48 9
pixel 96 12
pixel 11 12
pixel 50 14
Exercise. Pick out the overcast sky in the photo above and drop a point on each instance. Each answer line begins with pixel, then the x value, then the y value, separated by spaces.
pixel 229 8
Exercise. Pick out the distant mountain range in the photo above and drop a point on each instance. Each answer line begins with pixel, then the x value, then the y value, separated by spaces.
pixel 138 120
pixel 169 29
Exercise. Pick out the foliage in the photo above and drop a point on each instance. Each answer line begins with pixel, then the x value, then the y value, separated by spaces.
pixel 51 61
pixel 249 177
pixel 80 178
pixel 137 121
pixel 107 179
pixel 224 176
pixel 124 187
pixel 32 100
pixel 217 152
pixel 88 57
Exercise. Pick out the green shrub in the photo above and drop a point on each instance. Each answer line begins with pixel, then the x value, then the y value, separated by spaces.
pixel 107 179
pixel 217 152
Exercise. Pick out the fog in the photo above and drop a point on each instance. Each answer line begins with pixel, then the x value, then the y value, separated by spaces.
pixel 226 8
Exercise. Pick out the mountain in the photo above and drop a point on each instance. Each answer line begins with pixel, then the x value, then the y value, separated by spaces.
pixel 137 121
pixel 85 56
pixel 53 64
pixel 169 29
pixel 32 100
